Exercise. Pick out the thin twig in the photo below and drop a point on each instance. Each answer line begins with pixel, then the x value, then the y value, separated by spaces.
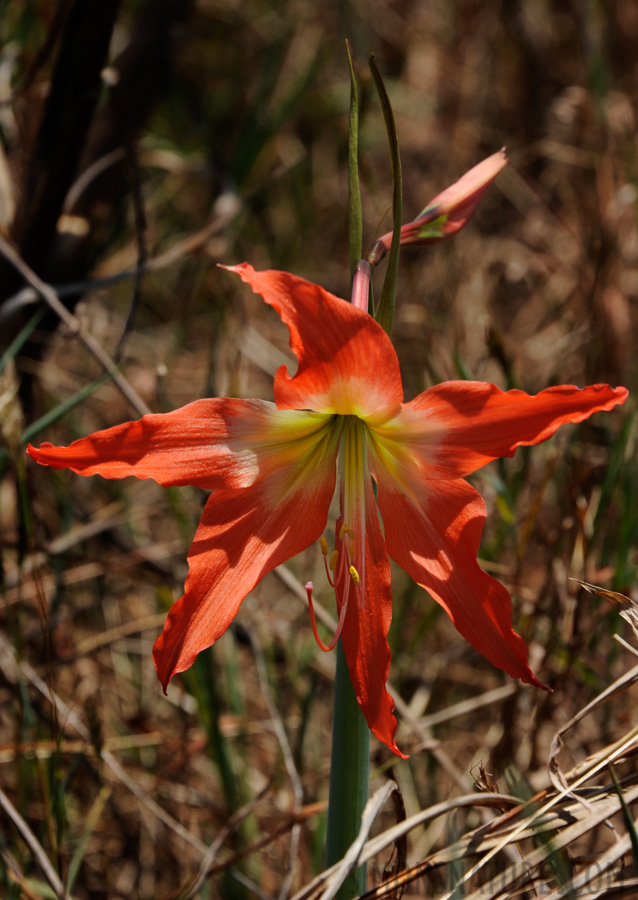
pixel 230 826
pixel 34 845
pixel 226 209
pixel 74 325
pixel 556 775
pixel 379 843
pixel 89 175
pixel 625 744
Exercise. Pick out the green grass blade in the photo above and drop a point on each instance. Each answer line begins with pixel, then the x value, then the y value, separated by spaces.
pixel 58 412
pixel 23 336
pixel 63 408
pixel 629 822
pixel 90 826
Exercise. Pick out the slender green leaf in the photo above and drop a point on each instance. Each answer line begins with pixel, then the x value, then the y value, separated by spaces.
pixel 90 825
pixel 24 334
pixel 63 408
pixel 59 411
pixel 355 217
pixel 629 822
pixel 387 301
pixel 38 889
pixel 615 470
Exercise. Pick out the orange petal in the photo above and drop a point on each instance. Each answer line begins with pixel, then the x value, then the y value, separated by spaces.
pixel 365 631
pixel 219 443
pixel 436 542
pixel 454 428
pixel 243 534
pixel 347 364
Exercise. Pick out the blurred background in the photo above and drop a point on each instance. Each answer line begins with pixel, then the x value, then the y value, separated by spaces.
pixel 140 145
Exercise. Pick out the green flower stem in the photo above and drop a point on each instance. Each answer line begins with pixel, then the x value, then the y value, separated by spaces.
pixel 349 777
pixel 350 758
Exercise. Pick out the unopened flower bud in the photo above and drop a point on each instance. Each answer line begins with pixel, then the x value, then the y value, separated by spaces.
pixel 449 211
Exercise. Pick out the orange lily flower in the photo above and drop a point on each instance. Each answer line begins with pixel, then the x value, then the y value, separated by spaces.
pixel 272 469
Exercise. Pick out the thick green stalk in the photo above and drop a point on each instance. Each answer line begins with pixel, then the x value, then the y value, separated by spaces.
pixel 350 758
pixel 349 777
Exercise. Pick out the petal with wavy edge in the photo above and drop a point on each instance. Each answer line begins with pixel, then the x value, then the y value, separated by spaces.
pixel 242 535
pixel 456 427
pixel 436 543
pixel 218 443
pixel 347 364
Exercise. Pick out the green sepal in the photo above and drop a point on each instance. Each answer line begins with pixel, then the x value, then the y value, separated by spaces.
pixel 432 230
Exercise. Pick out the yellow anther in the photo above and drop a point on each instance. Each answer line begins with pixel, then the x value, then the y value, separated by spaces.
pixel 346 530
pixel 333 560
pixel 324 546
pixel 354 574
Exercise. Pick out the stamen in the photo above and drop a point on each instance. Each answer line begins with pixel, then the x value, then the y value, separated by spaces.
pixel 338 568
pixel 313 621
pixel 346 530
pixel 332 567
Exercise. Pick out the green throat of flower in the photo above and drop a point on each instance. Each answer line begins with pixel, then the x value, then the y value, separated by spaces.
pixel 346 566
